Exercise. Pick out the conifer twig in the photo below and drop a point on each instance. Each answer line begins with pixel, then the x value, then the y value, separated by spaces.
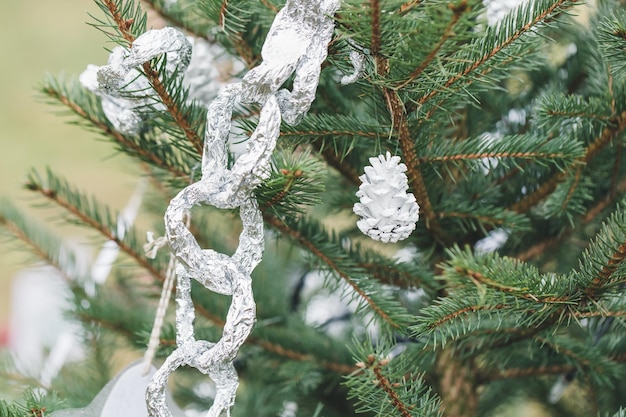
pixel 153 77
pixel 604 276
pixel 383 383
pixel 400 124
pixel 493 52
pixel 340 165
pixel 519 155
pixel 408 6
pixel 457 12
pixel 103 229
pixel 114 134
pixel 400 127
pixel 279 350
pixel 518 292
pixel 545 189
pixel 306 243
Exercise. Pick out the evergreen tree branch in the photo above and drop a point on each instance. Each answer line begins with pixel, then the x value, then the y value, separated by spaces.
pixel 547 13
pixel 300 238
pixel 383 383
pixel 408 6
pixel 375 35
pixel 340 368
pixel 572 188
pixel 607 271
pixel 516 291
pixel 483 155
pixel 123 141
pixel 400 127
pixel 457 12
pixel 416 180
pixel 62 196
pixel 155 81
pixel 545 189
pixel 333 160
pixel 387 387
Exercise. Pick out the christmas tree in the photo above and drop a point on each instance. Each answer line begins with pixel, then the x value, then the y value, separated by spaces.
pixel 499 125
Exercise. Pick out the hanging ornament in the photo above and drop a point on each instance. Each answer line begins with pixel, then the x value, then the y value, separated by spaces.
pixel 123 396
pixel 297 43
pixel 388 213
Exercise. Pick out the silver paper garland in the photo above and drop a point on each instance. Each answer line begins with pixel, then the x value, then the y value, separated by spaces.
pixel 126 95
pixel 297 42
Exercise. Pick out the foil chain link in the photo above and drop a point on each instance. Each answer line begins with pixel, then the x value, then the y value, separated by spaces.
pixel 296 44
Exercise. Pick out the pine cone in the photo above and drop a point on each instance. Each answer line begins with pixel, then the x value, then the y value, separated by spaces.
pixel 388 213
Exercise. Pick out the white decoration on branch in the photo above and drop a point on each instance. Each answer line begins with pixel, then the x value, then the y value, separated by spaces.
pixel 388 213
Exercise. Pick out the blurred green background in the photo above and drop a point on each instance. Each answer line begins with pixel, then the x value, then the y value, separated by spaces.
pixel 39 37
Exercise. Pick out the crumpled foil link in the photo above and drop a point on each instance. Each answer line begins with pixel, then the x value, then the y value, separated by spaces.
pixel 297 42
pixel 126 95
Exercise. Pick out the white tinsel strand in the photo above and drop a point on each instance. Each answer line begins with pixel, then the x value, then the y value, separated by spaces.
pixel 388 213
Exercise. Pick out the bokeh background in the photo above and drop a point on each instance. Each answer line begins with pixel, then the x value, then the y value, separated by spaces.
pixel 39 37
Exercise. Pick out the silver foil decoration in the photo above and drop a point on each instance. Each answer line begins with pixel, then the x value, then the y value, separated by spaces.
pixel 357 59
pixel 297 43
pixel 126 95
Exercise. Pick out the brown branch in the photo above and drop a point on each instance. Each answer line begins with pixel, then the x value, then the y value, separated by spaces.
pixel 416 180
pixel 375 37
pixel 383 383
pixel 465 310
pixel 270 6
pixel 299 356
pixel 487 56
pixel 330 132
pixel 114 134
pixel 408 6
pixel 101 228
pixel 532 199
pixel 291 179
pixel 302 240
pixel 521 155
pixel 572 188
pixel 606 272
pixel 519 292
pixel 538 249
pixel 567 352
pixel 222 17
pixel 587 314
pixel 457 12
pixel 153 77
pixel 389 275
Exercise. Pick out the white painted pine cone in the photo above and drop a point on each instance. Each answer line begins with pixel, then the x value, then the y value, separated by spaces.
pixel 388 213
